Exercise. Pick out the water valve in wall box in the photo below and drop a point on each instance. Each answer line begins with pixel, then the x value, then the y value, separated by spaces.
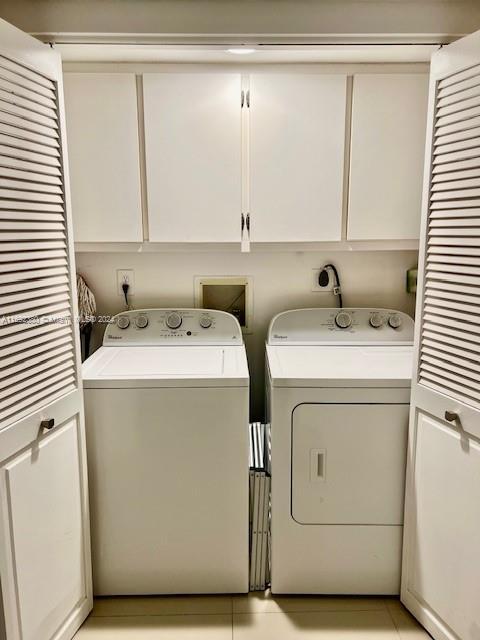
pixel 232 294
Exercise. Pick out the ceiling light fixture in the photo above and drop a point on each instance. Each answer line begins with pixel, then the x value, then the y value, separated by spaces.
pixel 241 51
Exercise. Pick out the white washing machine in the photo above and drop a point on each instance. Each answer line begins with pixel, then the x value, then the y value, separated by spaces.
pixel 338 398
pixel 167 401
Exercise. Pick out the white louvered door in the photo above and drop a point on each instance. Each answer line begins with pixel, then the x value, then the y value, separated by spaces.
pixel 441 561
pixel 45 567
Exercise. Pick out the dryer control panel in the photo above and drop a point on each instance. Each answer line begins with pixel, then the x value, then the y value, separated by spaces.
pixel 150 327
pixel 349 326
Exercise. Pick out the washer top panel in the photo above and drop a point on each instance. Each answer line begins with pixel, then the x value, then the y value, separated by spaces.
pixel 186 327
pixel 166 366
pixel 349 326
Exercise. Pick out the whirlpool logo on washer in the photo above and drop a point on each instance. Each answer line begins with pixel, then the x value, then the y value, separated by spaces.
pixel 279 337
pixel 111 337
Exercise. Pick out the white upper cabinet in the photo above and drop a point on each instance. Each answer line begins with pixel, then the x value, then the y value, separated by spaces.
pixel 193 156
pixel 389 116
pixel 297 146
pixel 102 129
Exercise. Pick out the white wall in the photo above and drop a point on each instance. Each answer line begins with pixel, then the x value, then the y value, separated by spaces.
pixel 280 281
pixel 244 16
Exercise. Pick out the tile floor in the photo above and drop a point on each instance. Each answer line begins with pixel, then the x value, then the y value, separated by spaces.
pixel 253 617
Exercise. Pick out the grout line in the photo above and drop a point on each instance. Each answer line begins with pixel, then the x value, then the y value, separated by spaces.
pixel 393 620
pixel 158 615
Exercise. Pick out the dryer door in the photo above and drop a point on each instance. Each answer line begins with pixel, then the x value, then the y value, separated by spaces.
pixel 348 463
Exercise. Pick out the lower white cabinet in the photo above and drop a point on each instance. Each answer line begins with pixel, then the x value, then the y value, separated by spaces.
pixel 193 156
pixel 104 161
pixel 442 553
pixel 389 115
pixel 296 160
pixel 44 550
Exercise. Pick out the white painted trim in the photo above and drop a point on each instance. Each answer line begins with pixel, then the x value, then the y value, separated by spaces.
pixel 246 38
pixel 232 247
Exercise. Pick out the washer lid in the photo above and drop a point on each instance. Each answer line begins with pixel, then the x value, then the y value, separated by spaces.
pixel 166 366
pixel 340 366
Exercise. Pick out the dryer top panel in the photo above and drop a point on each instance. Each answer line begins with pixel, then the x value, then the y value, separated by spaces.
pixel 333 366
pixel 177 327
pixel 347 327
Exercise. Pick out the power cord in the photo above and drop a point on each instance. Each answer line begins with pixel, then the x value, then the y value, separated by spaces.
pixel 125 288
pixel 324 279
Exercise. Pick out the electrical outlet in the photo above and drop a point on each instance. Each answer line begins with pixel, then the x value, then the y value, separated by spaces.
pixel 125 276
pixel 316 287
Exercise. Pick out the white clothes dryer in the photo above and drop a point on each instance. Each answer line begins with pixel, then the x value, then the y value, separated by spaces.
pixel 338 398
pixel 167 402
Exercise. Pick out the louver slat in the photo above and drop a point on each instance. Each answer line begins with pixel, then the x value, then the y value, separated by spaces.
pixel 37 354
pixel 47 101
pixel 449 360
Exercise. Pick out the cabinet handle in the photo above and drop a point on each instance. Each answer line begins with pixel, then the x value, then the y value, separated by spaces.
pixel 248 222
pixel 243 222
pixel 248 98
pixel 47 424
pixel 451 416
pixel 242 99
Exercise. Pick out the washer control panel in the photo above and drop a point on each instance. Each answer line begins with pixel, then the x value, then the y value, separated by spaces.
pixel 173 326
pixel 341 326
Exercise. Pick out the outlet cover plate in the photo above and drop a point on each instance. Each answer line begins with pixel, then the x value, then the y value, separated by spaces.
pixel 125 275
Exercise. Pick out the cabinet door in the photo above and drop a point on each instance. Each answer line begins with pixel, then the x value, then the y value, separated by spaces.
pixel 102 127
pixel 389 115
pixel 297 145
pixel 193 156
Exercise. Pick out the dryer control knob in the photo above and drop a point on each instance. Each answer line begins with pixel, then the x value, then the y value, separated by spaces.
pixel 174 320
pixel 376 320
pixel 395 321
pixel 205 322
pixel 343 320
pixel 123 322
pixel 141 322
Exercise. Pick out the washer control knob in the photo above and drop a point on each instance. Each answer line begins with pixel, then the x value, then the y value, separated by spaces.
pixel 123 322
pixel 395 321
pixel 141 322
pixel 376 320
pixel 174 320
pixel 205 322
pixel 343 320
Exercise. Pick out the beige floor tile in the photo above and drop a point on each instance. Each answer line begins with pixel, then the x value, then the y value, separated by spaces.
pixel 318 625
pixel 162 605
pixel 264 602
pixel 205 627
pixel 408 628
